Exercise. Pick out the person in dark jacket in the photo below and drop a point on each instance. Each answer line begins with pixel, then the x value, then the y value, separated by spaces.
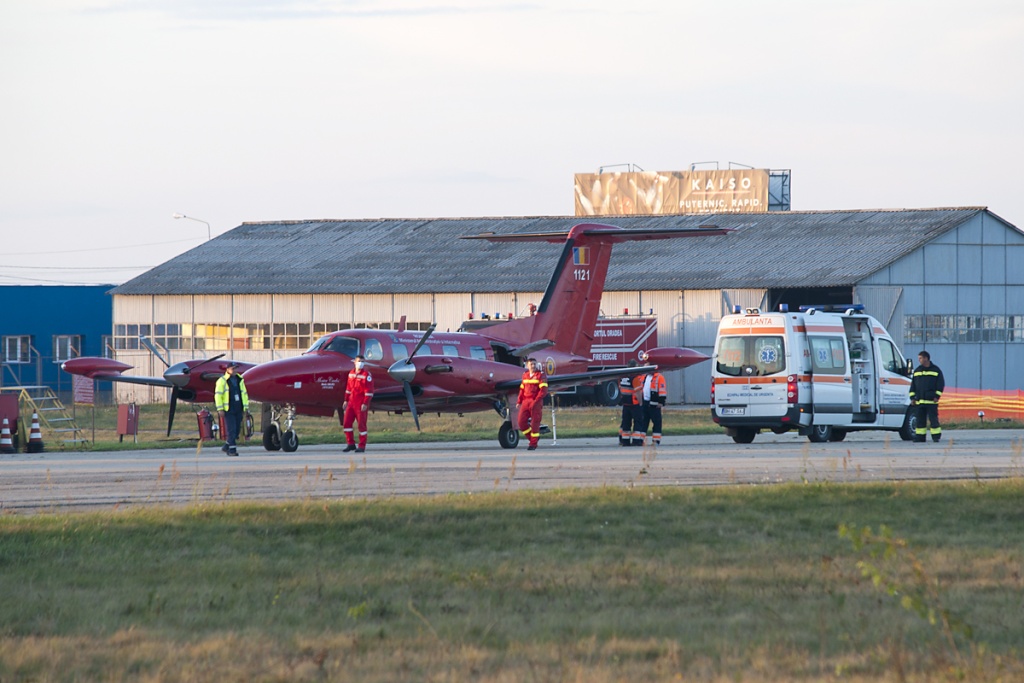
pixel 925 391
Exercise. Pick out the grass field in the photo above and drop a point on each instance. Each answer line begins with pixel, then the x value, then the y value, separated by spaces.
pixel 389 428
pixel 776 583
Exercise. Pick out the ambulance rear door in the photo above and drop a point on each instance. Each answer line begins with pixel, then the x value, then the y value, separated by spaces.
pixel 831 379
pixel 750 367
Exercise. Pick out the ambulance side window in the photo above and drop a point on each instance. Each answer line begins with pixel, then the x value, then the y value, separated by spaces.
pixel 828 355
pixel 889 356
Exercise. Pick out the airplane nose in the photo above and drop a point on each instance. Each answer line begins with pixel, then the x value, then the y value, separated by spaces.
pixel 177 374
pixel 402 371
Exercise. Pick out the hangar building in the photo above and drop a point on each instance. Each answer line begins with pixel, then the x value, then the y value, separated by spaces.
pixel 942 279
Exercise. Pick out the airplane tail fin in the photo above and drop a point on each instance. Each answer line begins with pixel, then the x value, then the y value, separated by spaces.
pixel 567 315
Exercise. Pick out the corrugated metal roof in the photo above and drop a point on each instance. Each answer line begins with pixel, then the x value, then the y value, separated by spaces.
pixel 779 249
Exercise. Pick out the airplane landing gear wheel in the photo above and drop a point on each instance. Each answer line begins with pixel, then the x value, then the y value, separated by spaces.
pixel 289 441
pixel 508 435
pixel 272 438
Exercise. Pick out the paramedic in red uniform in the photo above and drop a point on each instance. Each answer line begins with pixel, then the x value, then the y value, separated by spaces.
pixel 531 402
pixel 358 393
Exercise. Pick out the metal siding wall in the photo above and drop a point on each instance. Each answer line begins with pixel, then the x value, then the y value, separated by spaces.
pixel 252 308
pixel 993 300
pixel 372 308
pixel 971 232
pixel 212 309
pixel 909 269
pixel 491 303
pixel 746 298
pixel 880 302
pixel 1014 371
pixel 993 367
pixel 133 309
pixel 332 308
pixel 913 299
pixel 968 264
pixel 668 307
pixel 523 301
pixel 968 299
pixel 1015 300
pixel 145 364
pixel 614 303
pixel 940 264
pixel 415 307
pixel 702 311
pixel 994 271
pixel 451 310
pixel 939 299
pixel 963 370
pixel 1014 259
pixel 172 309
pixel 293 308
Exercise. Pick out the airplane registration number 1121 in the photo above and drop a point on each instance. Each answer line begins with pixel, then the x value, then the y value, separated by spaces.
pixel 581 273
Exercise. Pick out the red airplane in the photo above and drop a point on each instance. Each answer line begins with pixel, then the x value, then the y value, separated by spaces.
pixel 456 372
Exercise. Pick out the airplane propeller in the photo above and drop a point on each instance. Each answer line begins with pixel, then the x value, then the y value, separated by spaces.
pixel 403 371
pixel 178 376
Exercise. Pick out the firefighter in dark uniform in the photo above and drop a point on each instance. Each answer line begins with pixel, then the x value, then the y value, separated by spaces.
pixel 925 391
pixel 532 391
pixel 632 411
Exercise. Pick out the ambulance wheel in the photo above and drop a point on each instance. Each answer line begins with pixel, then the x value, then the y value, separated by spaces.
pixel 837 435
pixel 508 435
pixel 744 435
pixel 271 438
pixel 289 441
pixel 607 393
pixel 909 426
pixel 820 433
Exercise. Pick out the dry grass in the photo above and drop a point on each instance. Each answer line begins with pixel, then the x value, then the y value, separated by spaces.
pixel 751 584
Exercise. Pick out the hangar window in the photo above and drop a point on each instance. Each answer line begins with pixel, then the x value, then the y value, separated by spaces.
pixel 66 347
pixel 18 349
pixel 963 329
pixel 291 335
pixel 126 336
pixel 320 329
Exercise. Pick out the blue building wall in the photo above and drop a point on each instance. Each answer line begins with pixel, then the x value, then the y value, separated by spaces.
pixel 42 312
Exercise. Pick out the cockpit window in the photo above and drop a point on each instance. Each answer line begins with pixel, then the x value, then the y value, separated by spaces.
pixel 317 344
pixel 345 346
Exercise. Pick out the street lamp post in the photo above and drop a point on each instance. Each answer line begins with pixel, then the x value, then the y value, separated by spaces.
pixel 209 236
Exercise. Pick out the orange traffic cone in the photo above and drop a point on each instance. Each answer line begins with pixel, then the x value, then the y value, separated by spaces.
pixel 35 437
pixel 6 445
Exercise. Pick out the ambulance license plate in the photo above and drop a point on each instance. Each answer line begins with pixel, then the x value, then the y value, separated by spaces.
pixel 733 411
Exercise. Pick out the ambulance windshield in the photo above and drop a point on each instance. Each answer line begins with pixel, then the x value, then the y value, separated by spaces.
pixel 751 355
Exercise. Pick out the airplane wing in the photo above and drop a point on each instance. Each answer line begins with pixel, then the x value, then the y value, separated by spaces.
pixel 108 370
pixel 577 378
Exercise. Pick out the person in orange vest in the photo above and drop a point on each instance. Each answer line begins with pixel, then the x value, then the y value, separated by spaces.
pixel 532 391
pixel 626 401
pixel 653 396
pixel 639 434
pixel 358 393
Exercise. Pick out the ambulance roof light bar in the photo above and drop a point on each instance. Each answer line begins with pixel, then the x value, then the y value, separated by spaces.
pixel 845 308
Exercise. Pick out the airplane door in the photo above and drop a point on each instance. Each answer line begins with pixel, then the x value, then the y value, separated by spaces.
pixel 831 380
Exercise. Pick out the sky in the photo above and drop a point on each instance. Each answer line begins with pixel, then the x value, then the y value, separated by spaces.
pixel 118 114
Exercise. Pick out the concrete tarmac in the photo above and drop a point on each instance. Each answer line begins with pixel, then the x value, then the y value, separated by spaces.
pixel 72 481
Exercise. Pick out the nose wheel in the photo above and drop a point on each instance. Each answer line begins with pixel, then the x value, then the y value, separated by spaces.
pixel 279 435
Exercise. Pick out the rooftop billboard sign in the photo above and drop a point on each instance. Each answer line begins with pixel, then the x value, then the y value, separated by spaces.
pixel 671 192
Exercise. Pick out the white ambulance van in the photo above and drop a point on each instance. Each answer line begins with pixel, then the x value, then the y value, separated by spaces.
pixel 822 371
